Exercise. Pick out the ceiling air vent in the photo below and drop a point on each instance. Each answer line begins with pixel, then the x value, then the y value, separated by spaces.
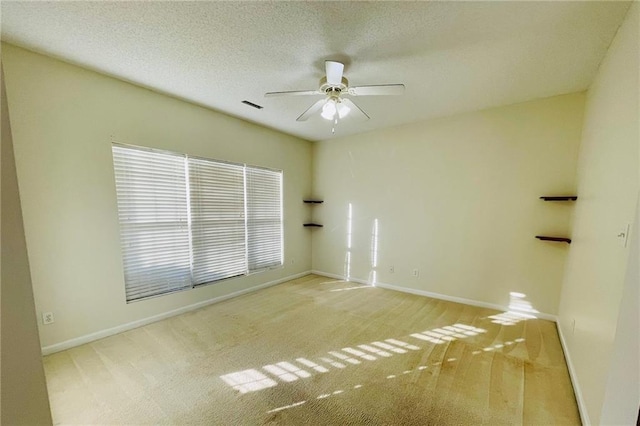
pixel 251 104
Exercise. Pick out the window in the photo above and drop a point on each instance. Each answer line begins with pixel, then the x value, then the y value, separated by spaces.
pixel 188 221
pixel 218 230
pixel 264 218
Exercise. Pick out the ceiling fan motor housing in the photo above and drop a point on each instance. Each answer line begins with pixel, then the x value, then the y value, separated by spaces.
pixel 335 88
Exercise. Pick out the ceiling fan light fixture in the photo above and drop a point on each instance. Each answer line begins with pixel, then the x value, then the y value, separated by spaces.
pixel 343 110
pixel 329 110
pixel 334 107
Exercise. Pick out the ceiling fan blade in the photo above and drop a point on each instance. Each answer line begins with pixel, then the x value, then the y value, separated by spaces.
pixel 378 90
pixel 311 110
pixel 334 72
pixel 355 108
pixel 293 93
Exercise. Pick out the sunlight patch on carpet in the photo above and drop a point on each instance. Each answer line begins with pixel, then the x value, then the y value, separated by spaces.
pixel 253 380
pixel 448 333
pixel 295 404
pixel 248 381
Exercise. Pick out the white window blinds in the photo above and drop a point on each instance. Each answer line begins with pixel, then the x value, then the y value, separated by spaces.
pixel 188 221
pixel 264 218
pixel 217 220
pixel 153 213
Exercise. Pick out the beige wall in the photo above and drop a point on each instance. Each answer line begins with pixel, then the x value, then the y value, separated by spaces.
pixel 456 198
pixel 22 382
pixel 608 187
pixel 64 119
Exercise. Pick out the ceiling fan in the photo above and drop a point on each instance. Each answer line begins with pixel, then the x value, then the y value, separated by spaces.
pixel 334 86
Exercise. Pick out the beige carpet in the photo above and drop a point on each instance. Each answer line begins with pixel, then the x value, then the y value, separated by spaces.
pixel 319 351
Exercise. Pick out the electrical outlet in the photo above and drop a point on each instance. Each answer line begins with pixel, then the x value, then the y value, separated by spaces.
pixel 47 318
pixel 392 269
pixel 415 273
pixel 293 260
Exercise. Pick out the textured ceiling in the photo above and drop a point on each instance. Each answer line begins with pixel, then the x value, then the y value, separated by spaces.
pixel 452 56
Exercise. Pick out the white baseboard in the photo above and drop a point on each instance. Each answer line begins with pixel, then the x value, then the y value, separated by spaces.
pixel 582 408
pixel 455 299
pixel 77 341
